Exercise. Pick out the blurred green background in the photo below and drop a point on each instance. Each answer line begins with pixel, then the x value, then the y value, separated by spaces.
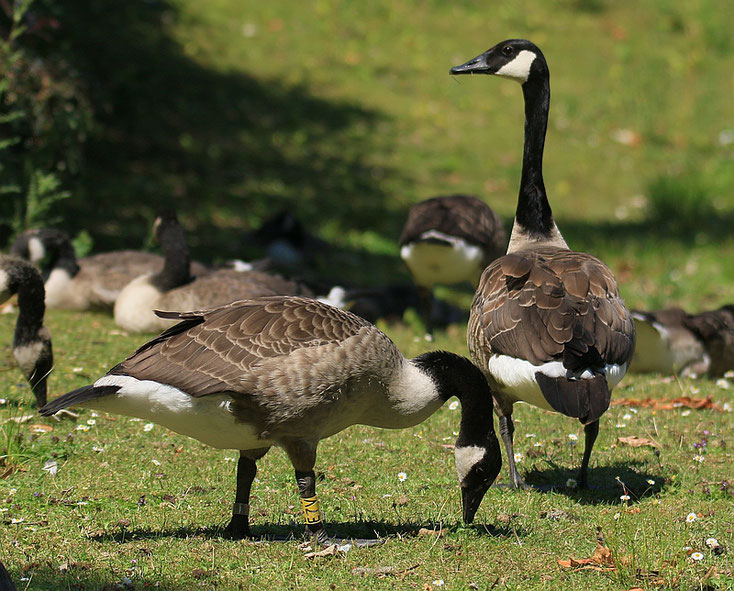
pixel 344 113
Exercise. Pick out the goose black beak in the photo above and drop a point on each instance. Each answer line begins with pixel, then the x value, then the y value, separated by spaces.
pixel 476 65
pixel 471 498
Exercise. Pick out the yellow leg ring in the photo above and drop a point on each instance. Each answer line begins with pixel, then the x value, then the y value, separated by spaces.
pixel 311 512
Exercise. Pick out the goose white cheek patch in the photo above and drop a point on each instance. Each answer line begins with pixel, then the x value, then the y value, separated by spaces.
pixel 519 68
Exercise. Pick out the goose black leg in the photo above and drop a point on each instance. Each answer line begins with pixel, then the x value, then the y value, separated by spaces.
pixel 590 431
pixel 425 305
pixel 311 513
pixel 507 429
pixel 239 526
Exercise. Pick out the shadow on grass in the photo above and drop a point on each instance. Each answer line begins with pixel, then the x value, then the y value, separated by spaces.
pixel 363 530
pixel 224 148
pixel 606 483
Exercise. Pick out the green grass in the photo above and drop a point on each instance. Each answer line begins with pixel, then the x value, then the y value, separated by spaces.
pixel 151 505
pixel 345 113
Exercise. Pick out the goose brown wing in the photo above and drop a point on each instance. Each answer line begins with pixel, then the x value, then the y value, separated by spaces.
pixel 463 216
pixel 217 350
pixel 551 304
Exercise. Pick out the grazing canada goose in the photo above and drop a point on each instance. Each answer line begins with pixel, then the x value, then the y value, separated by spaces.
pixel 291 371
pixel 31 341
pixel 673 341
pixel 173 287
pixel 547 325
pixel 87 283
pixel 449 240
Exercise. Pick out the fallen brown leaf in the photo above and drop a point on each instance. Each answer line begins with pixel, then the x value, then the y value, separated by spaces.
pixel 669 403
pixel 637 441
pixel 40 428
pixel 601 560
pixel 328 551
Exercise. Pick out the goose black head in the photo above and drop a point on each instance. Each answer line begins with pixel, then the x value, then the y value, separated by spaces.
pixel 515 58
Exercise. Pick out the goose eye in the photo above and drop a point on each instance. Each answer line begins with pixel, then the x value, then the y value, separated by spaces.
pixel 507 50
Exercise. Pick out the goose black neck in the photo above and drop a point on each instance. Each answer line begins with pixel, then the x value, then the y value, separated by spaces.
pixel 177 260
pixel 533 210
pixel 62 256
pixel 455 375
pixel 31 305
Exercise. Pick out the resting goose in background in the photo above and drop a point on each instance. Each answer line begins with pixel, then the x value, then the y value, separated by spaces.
pixel 31 341
pixel 173 287
pixel 547 325
pixel 672 341
pixel 91 282
pixel 449 240
pixel 291 371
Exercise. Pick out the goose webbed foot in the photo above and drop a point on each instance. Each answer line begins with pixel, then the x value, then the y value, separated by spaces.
pixel 238 528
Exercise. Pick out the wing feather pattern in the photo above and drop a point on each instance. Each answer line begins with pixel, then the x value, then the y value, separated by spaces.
pixel 221 349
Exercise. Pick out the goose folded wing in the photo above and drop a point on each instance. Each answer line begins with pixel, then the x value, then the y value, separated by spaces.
pixel 216 350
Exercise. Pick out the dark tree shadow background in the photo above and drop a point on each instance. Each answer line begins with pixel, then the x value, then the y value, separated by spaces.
pixel 224 149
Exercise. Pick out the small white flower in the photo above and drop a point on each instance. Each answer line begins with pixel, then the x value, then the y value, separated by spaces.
pixel 82 428
pixel 616 516
pixel 438 583
pixel 77 369
pixel 571 483
pixel 402 476
pixel 3 400
pixel 624 498
pixel 148 426
pixel 695 389
pixel 650 481
pixel 696 556
pixel 633 410
pixel 698 458
pixel 519 457
pixel 156 462
pixel 12 491
pixel 722 383
pixel 97 448
pixel 711 542
pixel 572 438
pixel 656 501
pixel 230 459
pixel 454 405
pixel 51 466
pixel 80 503
pixel 727 407
pixel 691 517
pixel 94 414
pixel 621 425
pixel 529 435
pixel 626 417
pixel 729 374
pixel 538 444
pixel 18 520
pixel 686 412
pixel 91 422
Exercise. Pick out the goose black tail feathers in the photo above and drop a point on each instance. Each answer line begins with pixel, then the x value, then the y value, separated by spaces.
pixel 585 399
pixel 76 397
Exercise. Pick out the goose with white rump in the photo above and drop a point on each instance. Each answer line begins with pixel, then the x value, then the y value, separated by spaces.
pixel 447 240
pixel 547 325
pixel 32 340
pixel 173 287
pixel 289 371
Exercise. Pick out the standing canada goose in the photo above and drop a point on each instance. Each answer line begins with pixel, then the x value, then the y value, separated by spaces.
pixel 547 325
pixel 173 287
pixel 31 341
pixel 291 371
pixel 81 284
pixel 673 341
pixel 449 240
